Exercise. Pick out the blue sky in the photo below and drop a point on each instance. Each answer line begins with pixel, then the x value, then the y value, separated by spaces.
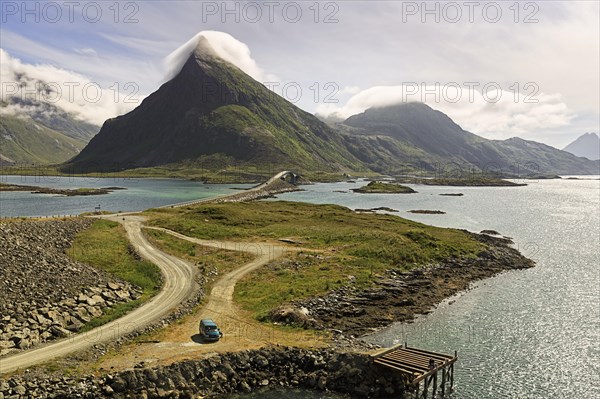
pixel 357 53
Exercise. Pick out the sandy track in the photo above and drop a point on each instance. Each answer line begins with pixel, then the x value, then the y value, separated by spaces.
pixel 178 286
pixel 221 296
pixel 180 340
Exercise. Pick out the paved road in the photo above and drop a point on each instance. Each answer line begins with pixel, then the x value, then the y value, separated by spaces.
pixel 178 286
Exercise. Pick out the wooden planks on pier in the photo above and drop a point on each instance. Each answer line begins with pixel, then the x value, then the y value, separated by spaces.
pixel 420 369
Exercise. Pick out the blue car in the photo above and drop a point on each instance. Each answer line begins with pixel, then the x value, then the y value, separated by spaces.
pixel 209 330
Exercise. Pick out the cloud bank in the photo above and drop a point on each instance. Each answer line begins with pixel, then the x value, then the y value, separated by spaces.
pixel 494 113
pixel 25 88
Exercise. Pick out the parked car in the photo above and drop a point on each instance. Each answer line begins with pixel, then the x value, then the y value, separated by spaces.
pixel 209 331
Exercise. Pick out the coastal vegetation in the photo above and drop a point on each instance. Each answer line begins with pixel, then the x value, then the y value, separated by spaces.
pixel 343 246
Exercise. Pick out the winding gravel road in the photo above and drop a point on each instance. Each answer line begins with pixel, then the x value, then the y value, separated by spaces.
pixel 220 300
pixel 179 284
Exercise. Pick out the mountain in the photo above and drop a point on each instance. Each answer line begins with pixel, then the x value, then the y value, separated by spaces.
pixel 586 146
pixel 212 108
pixel 42 135
pixel 414 136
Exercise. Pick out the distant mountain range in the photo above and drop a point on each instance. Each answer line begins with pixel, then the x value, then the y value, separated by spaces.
pixel 392 138
pixel 44 134
pixel 586 146
pixel 213 115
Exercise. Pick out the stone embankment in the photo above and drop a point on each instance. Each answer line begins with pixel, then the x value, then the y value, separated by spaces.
pixel 213 377
pixel 46 294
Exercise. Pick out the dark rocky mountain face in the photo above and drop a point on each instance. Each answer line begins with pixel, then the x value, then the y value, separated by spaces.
pixel 212 107
pixel 415 136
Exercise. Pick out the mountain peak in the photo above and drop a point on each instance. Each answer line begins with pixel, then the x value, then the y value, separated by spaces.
pixel 587 146
pixel 204 49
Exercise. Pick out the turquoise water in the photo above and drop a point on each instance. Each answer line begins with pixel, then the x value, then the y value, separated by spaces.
pixel 140 194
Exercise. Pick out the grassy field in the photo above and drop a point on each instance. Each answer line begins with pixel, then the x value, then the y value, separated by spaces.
pixel 105 246
pixel 344 243
pixel 207 259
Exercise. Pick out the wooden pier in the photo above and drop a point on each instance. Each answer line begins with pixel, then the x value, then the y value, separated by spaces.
pixel 424 372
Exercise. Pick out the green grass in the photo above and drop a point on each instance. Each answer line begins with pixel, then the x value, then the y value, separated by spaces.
pixel 345 243
pixel 206 258
pixel 25 141
pixel 105 246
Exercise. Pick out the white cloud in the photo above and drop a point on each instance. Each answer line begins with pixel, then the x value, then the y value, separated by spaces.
pixel 86 51
pixel 350 90
pixel 226 46
pixel 496 114
pixel 25 86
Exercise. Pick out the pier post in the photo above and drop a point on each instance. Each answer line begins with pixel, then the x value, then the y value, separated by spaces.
pixel 444 382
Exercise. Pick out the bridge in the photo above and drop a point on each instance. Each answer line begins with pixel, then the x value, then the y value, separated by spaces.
pixel 270 187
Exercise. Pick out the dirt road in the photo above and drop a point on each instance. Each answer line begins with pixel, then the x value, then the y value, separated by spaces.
pixel 178 286
pixel 241 332
pixel 180 340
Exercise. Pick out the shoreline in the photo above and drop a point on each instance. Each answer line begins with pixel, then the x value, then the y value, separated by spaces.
pixel 364 312
pixel 401 296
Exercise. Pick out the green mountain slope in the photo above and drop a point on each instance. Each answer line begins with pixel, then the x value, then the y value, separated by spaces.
pixel 211 107
pixel 411 136
pixel 25 141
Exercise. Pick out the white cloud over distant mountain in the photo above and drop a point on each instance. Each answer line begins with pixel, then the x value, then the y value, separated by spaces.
pixel 26 88
pixel 494 112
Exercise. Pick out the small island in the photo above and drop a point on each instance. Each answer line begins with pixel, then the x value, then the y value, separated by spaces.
pixel 59 191
pixel 452 194
pixel 381 208
pixel 377 187
pixel 427 212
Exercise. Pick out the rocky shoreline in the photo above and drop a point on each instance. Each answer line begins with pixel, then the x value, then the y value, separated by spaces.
pixel 399 295
pixel 215 376
pixel 46 294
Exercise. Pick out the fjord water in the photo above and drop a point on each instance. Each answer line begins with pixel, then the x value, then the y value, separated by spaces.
pixel 140 194
pixel 522 334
